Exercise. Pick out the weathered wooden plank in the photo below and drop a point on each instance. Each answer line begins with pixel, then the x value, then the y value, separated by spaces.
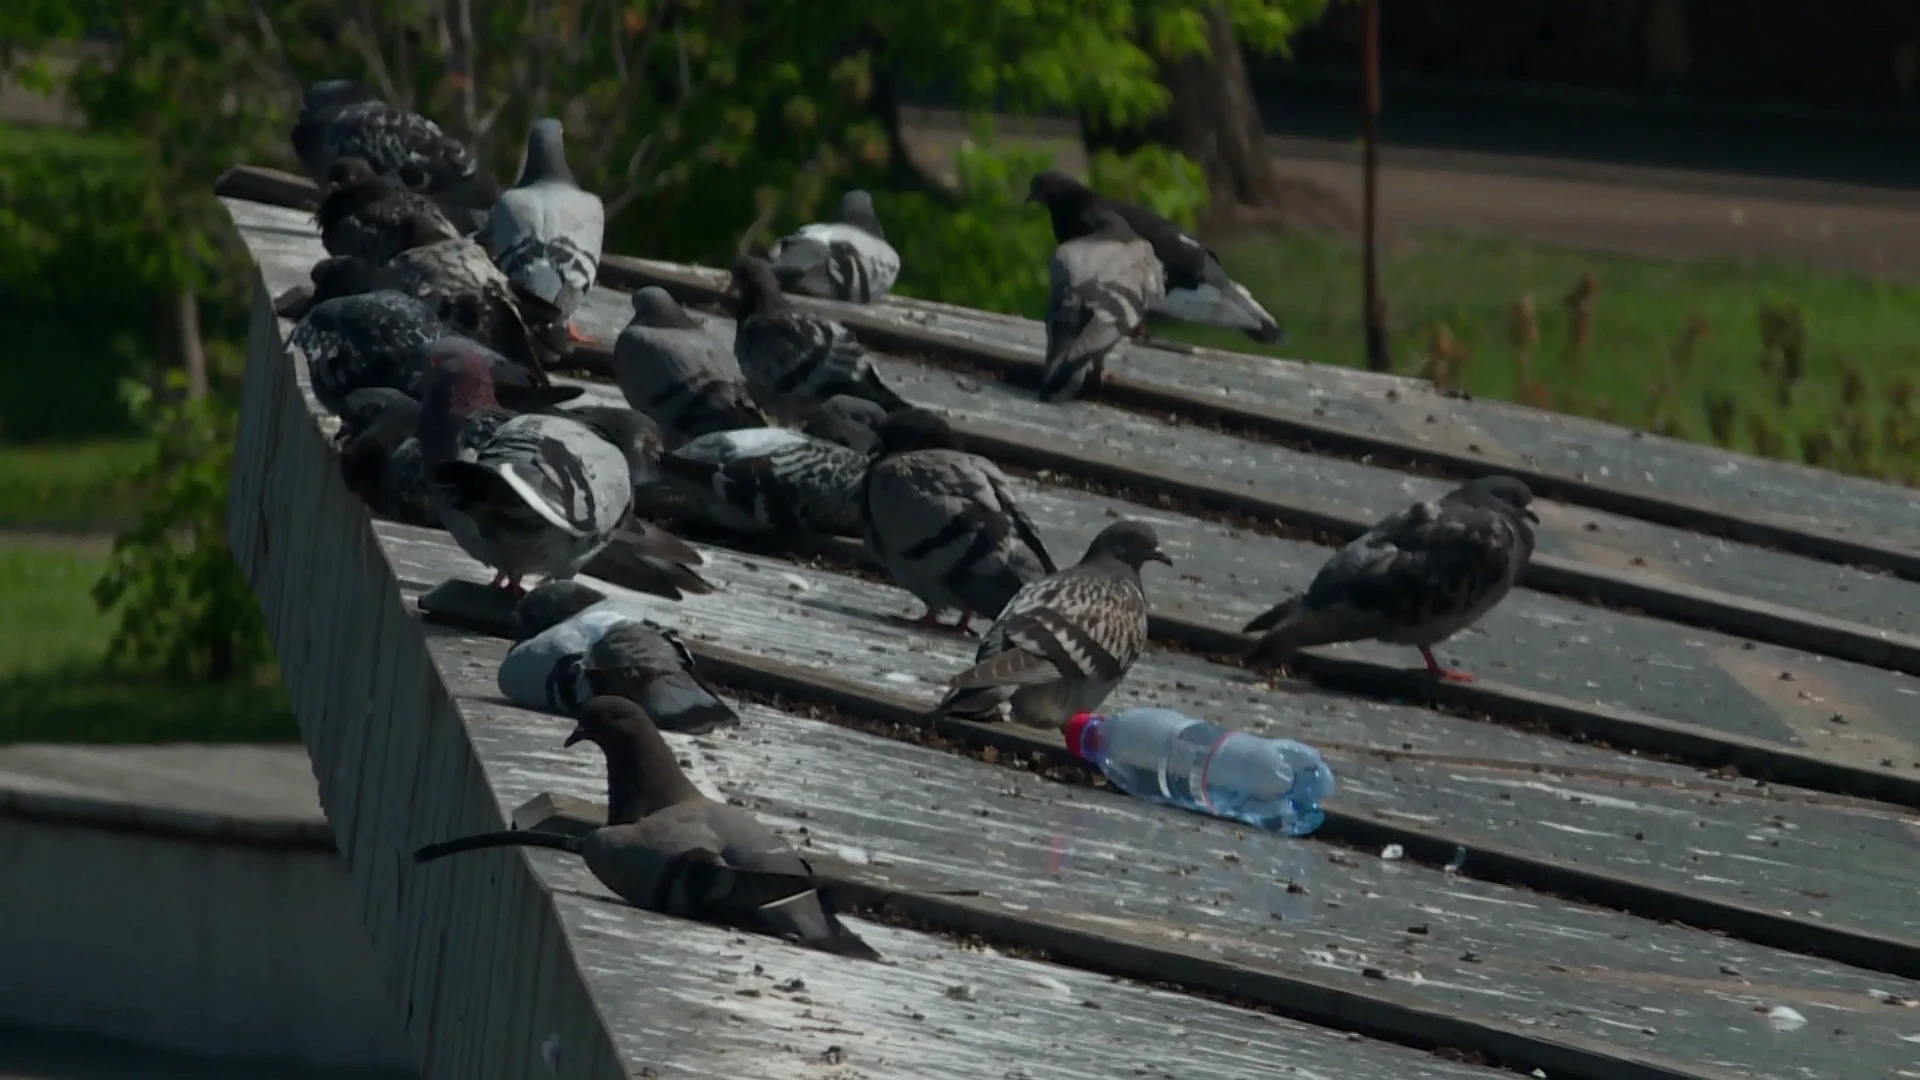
pixel 1535 641
pixel 1679 575
pixel 1082 855
pixel 306 546
pixel 815 620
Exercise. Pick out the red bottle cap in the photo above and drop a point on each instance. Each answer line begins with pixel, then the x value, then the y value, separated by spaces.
pixel 1075 726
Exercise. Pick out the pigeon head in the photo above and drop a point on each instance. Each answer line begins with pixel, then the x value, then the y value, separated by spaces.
pixel 330 95
pixel 655 306
pixel 546 153
pixel 1055 189
pixel 915 429
pixel 349 173
pixel 856 209
pixel 755 289
pixel 1131 543
pixel 1502 493
pixel 643 776
pixel 342 275
pixel 551 604
pixel 849 421
pixel 459 383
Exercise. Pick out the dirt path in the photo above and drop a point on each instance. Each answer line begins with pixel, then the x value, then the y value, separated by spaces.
pixel 1631 210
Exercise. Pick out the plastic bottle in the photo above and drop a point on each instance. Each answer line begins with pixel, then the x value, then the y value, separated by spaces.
pixel 1167 757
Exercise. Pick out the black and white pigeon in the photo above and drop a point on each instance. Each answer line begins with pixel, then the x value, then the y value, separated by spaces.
pixel 669 848
pixel 1416 578
pixel 1197 288
pixel 364 341
pixel 645 556
pixel 384 339
pixel 1064 642
pixel 845 259
pixel 794 360
pixel 1100 288
pixel 364 217
pixel 543 494
pixel 850 421
pixel 771 481
pixel 340 119
pixel 474 298
pixel 545 232
pixel 944 523
pixel 569 628
pixel 676 370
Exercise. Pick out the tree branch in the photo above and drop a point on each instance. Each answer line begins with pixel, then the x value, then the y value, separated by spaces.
pixel 283 66
pixel 469 59
pixel 633 79
pixel 360 28
pixel 632 188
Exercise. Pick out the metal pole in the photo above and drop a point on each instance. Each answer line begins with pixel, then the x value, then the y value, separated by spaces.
pixel 1374 310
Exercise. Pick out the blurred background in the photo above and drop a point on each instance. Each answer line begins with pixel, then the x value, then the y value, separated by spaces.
pixel 1693 217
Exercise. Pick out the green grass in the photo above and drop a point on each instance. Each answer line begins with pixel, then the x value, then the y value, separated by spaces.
pixel 1862 338
pixel 69 486
pixel 55 686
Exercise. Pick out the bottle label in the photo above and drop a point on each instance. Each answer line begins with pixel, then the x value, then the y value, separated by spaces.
pixel 1192 750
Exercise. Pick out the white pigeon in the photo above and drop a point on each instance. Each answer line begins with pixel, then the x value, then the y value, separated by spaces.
pixel 846 259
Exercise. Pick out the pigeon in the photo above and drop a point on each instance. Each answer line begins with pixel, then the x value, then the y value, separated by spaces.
pixel 1197 288
pixel 850 421
pixel 380 457
pixel 677 371
pixel 568 628
pixel 367 340
pixel 1416 578
pixel 472 297
pixel 795 360
pixel 633 431
pixel 383 339
pixel 848 259
pixel 760 481
pixel 545 232
pixel 668 848
pixel 1101 285
pixel 944 523
pixel 364 217
pixel 1064 642
pixel 339 119
pixel 541 494
pixel 646 557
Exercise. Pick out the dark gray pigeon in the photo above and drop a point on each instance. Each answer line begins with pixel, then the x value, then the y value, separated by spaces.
pixel 380 457
pixel 645 556
pixel 944 523
pixel 364 217
pixel 668 848
pixel 340 119
pixel 1197 288
pixel 633 431
pixel 847 259
pixel 574 637
pixel 1416 578
pixel 850 421
pixel 543 494
pixel 545 232
pixel 1100 287
pixel 679 372
pixel 1064 642
pixel 777 481
pixel 794 360
pixel 473 298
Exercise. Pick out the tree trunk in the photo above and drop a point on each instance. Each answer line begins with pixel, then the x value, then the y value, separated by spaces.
pixel 193 350
pixel 1212 119
pixel 1374 305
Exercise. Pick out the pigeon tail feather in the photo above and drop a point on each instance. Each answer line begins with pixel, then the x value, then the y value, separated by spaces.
pixel 1303 629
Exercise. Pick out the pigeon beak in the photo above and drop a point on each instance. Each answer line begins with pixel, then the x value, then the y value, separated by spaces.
pixel 1032 198
pixel 1531 516
pixel 1160 556
pixel 578 733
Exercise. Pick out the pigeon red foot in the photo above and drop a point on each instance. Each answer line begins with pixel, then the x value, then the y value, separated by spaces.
pixel 1444 674
pixel 575 336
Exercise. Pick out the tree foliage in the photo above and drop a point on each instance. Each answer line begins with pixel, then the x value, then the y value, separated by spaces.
pixel 707 125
